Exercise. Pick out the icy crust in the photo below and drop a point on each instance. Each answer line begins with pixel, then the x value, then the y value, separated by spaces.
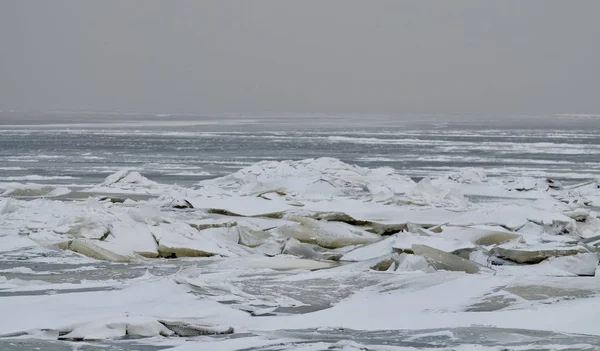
pixel 325 220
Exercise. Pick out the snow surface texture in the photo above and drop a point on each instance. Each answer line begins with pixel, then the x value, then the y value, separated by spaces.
pixel 284 254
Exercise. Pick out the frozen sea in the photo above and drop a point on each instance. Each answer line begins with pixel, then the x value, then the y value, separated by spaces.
pixel 63 300
pixel 71 148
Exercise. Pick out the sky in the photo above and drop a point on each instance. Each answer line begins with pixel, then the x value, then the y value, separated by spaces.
pixel 330 56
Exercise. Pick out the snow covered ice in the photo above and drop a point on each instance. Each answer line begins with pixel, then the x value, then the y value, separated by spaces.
pixel 302 255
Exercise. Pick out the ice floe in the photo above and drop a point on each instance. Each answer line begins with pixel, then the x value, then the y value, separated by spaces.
pixel 360 246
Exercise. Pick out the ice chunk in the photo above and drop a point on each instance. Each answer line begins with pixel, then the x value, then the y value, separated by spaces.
pixel 385 264
pixel 523 184
pixel 480 235
pixel 532 255
pixel 554 184
pixel 252 237
pixel 193 329
pixel 180 240
pixel 444 261
pixel 92 227
pixel 180 204
pixel 514 216
pixel 309 251
pixel 583 264
pixel 241 206
pixel 270 248
pixel 147 329
pixel 126 176
pixel 404 242
pixel 589 228
pixel 366 252
pixel 531 228
pixel 413 263
pixel 296 248
pixel 135 236
pixel 399 263
pixel 128 181
pixel 325 234
pixel 102 250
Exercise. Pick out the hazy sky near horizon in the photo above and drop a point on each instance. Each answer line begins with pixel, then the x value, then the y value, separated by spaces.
pixel 301 56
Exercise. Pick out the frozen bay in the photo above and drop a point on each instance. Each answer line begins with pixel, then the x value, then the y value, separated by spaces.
pixel 147 235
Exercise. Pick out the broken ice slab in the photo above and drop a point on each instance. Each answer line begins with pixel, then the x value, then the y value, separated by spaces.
pixel 309 251
pixel 583 264
pixel 535 254
pixel 366 252
pixel 270 248
pixel 252 237
pixel 102 250
pixel 412 263
pixel 480 235
pixel 134 235
pixel 325 234
pixel 184 241
pixel 404 243
pixel 187 329
pixel 387 263
pixel 441 260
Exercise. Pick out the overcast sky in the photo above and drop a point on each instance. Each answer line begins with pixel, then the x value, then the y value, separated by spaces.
pixel 301 56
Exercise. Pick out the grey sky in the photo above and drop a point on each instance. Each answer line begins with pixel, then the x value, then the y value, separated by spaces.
pixel 301 56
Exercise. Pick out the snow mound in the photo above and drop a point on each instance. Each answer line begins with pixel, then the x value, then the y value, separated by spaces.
pixel 127 177
pixel 316 178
